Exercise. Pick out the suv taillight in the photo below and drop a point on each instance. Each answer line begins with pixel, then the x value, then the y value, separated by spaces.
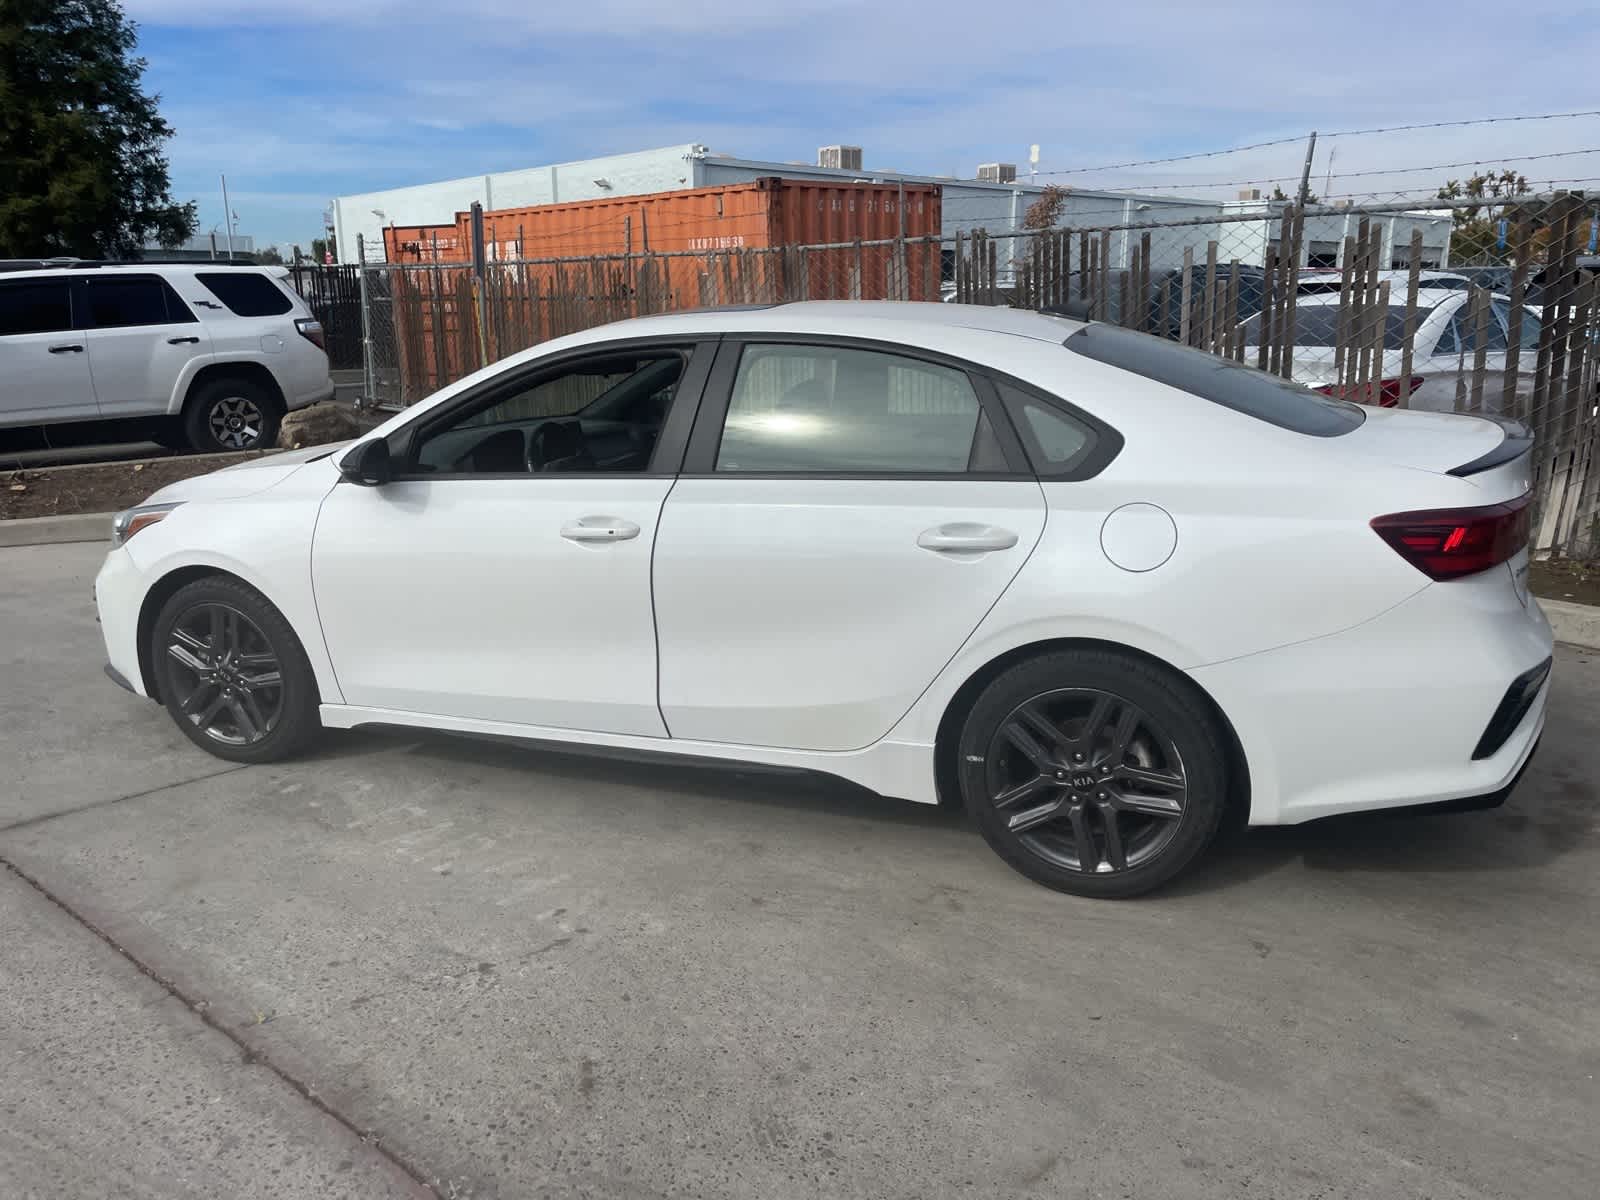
pixel 1447 543
pixel 311 329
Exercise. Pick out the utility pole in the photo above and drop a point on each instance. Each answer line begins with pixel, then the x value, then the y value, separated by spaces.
pixel 228 215
pixel 1305 172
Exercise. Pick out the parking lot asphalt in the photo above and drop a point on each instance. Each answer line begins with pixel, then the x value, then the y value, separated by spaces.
pixel 423 963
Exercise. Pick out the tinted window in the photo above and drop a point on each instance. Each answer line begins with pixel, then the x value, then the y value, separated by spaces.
pixel 1055 441
pixel 117 302
pixel 35 307
pixel 601 414
pixel 245 293
pixel 1243 389
pixel 824 409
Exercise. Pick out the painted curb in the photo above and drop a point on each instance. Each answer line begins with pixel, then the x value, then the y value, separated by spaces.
pixel 1575 624
pixel 45 531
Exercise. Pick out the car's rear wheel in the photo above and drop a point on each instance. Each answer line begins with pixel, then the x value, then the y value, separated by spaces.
pixel 232 412
pixel 1093 772
pixel 232 672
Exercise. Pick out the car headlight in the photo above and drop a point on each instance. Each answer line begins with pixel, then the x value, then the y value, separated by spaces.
pixel 130 520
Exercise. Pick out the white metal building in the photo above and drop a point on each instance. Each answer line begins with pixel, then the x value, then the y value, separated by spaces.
pixel 995 203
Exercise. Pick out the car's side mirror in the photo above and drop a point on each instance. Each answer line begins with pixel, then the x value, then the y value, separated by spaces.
pixel 368 464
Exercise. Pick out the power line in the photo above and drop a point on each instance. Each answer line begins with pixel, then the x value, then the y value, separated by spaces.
pixel 1482 162
pixel 1285 141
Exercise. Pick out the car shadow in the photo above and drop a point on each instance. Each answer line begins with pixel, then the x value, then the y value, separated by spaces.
pixel 1550 814
pixel 698 778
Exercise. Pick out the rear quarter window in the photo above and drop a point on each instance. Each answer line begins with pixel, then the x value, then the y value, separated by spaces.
pixel 245 293
pixel 1243 389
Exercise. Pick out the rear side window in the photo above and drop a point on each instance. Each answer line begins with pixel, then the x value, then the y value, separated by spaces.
pixel 44 306
pixel 1056 443
pixel 1243 389
pixel 825 409
pixel 116 302
pixel 245 293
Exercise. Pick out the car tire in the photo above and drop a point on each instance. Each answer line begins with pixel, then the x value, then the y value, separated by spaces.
pixel 1098 746
pixel 232 673
pixel 232 413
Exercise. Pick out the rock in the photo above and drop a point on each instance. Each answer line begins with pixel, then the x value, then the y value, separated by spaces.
pixel 318 425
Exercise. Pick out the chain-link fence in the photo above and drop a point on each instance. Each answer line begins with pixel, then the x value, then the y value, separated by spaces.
pixel 1473 304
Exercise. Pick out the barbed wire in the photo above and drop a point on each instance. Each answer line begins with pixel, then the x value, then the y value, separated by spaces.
pixel 1300 138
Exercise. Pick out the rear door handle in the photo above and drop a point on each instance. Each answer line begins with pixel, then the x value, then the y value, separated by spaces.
pixel 183 341
pixel 966 537
pixel 599 529
pixel 69 349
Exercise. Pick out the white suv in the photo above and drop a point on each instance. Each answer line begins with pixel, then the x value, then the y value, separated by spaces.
pixel 207 355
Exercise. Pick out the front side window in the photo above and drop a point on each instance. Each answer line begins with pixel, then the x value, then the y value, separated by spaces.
pixel 811 409
pixel 117 302
pixel 35 306
pixel 600 414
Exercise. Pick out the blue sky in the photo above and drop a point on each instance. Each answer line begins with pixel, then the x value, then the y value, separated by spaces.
pixel 302 100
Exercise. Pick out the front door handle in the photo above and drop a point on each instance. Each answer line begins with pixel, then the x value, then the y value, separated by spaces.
pixel 966 537
pixel 183 341
pixel 70 349
pixel 599 529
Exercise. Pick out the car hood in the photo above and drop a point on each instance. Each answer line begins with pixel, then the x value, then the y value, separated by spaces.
pixel 245 478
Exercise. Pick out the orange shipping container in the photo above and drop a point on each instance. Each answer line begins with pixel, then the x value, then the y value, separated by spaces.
pixel 555 268
pixel 765 213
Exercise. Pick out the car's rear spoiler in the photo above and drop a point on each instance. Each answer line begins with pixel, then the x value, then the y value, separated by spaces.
pixel 1518 440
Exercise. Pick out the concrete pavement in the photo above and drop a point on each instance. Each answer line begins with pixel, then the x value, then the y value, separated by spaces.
pixel 529 974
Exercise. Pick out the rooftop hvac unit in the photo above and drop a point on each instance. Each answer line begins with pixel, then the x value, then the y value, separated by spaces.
pixel 998 172
pixel 842 158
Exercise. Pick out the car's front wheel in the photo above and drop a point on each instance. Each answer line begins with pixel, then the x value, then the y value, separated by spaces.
pixel 232 672
pixel 1093 772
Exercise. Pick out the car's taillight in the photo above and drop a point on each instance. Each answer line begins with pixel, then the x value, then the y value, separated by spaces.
pixel 311 330
pixel 1447 543
pixel 1388 391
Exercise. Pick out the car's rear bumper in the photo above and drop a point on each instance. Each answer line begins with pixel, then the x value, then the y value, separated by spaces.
pixel 1389 713
pixel 313 395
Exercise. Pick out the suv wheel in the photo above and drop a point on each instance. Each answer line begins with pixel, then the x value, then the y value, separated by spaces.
pixel 232 413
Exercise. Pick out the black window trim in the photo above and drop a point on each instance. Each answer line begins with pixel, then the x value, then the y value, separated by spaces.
pixel 701 460
pixel 665 459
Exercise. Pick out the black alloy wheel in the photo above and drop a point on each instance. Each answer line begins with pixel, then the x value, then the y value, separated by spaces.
pixel 230 683
pixel 1086 780
pixel 232 673
pixel 1094 772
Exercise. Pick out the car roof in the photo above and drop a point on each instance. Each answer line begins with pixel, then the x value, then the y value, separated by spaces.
pixel 1426 298
pixel 888 318
pixel 92 267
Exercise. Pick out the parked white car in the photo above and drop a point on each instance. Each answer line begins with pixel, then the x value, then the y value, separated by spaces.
pixel 1100 588
pixel 207 355
pixel 1443 349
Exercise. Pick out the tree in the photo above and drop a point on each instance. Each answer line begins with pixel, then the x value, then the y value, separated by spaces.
pixel 1279 194
pixel 1044 212
pixel 319 250
pixel 80 144
pixel 269 256
pixel 1476 234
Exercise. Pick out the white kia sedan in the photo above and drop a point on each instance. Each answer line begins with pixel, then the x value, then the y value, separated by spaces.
pixel 1105 591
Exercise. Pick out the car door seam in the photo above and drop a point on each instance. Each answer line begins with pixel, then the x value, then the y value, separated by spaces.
pixel 655 623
